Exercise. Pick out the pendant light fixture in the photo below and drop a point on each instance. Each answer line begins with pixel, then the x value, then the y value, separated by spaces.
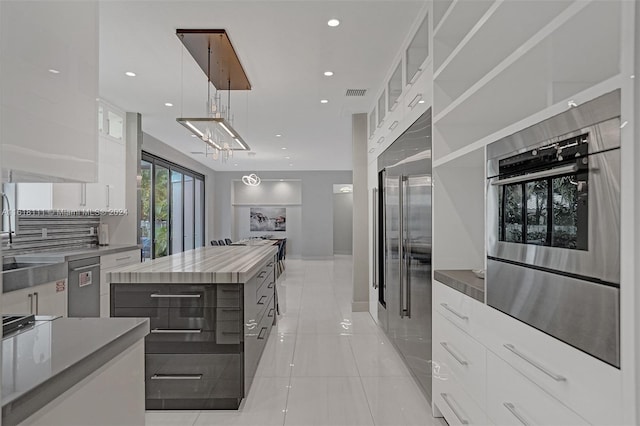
pixel 251 179
pixel 216 129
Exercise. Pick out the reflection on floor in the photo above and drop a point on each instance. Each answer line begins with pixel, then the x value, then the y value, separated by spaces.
pixel 323 364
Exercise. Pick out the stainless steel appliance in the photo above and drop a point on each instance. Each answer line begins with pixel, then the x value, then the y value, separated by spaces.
pixel 553 226
pixel 84 288
pixel 404 247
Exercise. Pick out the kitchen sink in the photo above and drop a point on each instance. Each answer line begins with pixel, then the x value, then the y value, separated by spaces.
pixel 15 265
pixel 17 275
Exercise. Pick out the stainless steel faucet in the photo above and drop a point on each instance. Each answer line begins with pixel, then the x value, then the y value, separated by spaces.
pixel 8 212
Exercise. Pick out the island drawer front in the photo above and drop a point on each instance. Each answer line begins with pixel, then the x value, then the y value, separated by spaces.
pixel 264 276
pixel 228 332
pixel 136 296
pixel 266 289
pixel 229 314
pixel 117 260
pixel 202 343
pixel 178 376
pixel 203 319
pixel 228 296
pixel 191 295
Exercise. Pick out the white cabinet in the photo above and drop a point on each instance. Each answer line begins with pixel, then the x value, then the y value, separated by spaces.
pixel 49 88
pixel 512 399
pixel 107 194
pixel 110 263
pixel 45 299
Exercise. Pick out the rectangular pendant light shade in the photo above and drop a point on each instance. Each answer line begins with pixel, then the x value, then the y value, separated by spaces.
pixel 219 132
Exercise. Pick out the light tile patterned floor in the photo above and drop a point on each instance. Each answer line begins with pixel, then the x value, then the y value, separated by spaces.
pixel 322 365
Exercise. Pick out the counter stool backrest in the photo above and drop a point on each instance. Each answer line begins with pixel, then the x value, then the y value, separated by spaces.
pixel 214 243
pixel 228 241
pixel 221 243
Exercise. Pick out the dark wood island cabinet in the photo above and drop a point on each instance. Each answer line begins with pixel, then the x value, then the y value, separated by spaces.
pixel 211 311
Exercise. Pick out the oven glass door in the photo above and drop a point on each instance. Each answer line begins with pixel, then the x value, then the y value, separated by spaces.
pixel 549 212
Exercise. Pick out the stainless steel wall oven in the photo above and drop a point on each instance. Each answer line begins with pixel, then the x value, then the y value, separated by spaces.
pixel 553 231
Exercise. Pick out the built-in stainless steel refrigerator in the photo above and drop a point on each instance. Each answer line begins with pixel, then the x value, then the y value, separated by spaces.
pixel 404 247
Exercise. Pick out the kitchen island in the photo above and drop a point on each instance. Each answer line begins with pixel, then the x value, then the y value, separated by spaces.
pixel 211 311
pixel 74 371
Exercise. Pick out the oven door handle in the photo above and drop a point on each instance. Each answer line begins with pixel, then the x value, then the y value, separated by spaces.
pixel 537 175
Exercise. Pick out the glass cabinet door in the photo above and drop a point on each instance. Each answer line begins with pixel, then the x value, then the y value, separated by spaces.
pixel 382 108
pixel 372 123
pixel 418 50
pixel 394 87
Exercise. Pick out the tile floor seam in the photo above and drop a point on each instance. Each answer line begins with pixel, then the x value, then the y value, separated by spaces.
pixel 291 363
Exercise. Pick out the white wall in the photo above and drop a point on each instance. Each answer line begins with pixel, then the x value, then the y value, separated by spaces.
pixel 270 193
pixel 343 223
pixel 361 259
pixel 316 240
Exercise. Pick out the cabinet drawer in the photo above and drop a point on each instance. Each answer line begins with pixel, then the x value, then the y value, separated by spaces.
pixel 457 354
pixel 228 314
pixel 566 373
pixel 513 399
pixel 266 288
pixel 228 296
pixel 203 342
pixel 188 376
pixel 137 296
pixel 228 332
pixel 461 310
pixel 117 260
pixel 455 404
pixel 158 317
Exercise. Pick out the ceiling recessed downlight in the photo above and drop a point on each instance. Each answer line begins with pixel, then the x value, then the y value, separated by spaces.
pixel 278 135
pixel 421 101
pixel 328 73
pixel 287 158
pixel 324 101
pixel 333 22
pixel 168 104
pixel 54 71
pixel 284 147
pixel 130 74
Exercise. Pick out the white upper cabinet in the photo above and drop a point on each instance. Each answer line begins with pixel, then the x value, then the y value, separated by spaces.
pixel 394 87
pixel 49 88
pixel 418 51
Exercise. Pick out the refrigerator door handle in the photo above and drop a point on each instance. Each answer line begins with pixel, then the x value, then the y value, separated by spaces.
pixel 401 241
pixel 405 292
pixel 374 219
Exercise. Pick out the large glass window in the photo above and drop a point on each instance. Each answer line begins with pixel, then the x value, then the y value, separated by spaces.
pixel 172 208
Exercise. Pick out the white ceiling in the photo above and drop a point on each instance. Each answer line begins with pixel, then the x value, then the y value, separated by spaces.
pixel 284 46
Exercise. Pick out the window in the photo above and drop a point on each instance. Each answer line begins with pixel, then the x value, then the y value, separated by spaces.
pixel 172 208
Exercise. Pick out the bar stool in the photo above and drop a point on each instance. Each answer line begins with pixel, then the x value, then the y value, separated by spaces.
pixel 214 243
pixel 221 243
pixel 228 241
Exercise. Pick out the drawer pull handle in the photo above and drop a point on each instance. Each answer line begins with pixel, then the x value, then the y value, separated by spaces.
pixel 262 274
pixel 454 312
pixel 415 101
pixel 261 335
pixel 176 330
pixel 270 265
pixel 453 354
pixel 230 291
pixel 456 412
pixel 176 377
pixel 230 310
pixel 556 377
pixel 123 258
pixel 393 125
pixel 270 285
pixel 260 302
pixel 230 333
pixel 172 296
pixel 270 314
pixel 381 139
pixel 85 268
pixel 512 409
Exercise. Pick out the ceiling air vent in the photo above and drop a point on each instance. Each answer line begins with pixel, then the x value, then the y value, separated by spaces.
pixel 356 92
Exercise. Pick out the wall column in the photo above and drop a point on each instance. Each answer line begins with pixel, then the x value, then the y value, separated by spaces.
pixel 360 301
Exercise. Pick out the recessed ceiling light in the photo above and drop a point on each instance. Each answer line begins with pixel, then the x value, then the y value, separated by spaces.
pixel 284 147
pixel 333 22
pixel 288 158
pixel 54 71
pixel 278 135
pixel 328 73
pixel 130 74
pixel 291 164
pixel 168 104
pixel 281 180
pixel 421 101
pixel 324 101
pixel 193 136
pixel 235 164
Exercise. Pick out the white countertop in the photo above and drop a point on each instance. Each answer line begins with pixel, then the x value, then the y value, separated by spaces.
pixel 221 264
